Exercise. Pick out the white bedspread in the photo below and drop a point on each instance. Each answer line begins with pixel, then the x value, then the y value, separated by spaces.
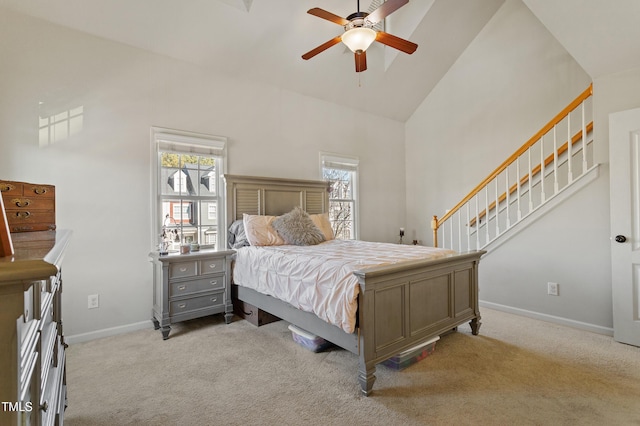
pixel 320 278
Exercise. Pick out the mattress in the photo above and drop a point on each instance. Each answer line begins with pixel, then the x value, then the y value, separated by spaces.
pixel 319 278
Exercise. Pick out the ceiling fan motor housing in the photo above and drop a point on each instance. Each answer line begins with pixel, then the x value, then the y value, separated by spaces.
pixel 357 20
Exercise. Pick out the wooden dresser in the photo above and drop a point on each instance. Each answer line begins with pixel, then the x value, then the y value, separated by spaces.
pixel 32 358
pixel 29 206
pixel 188 286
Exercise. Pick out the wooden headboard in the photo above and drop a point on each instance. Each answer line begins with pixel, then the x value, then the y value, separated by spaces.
pixel 273 196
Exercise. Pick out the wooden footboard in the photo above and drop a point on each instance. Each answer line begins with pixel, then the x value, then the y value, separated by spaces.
pixel 399 306
pixel 405 304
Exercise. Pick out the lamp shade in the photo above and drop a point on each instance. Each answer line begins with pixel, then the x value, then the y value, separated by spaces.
pixel 359 38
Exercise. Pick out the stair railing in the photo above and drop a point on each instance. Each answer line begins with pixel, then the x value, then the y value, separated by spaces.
pixel 508 195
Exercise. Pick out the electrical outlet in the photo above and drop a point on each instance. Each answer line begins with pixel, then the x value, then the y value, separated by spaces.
pixel 553 289
pixel 93 301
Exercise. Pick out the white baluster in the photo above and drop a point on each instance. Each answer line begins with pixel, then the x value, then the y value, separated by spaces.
pixel 530 179
pixel 451 232
pixel 459 230
pixel 486 216
pixel 584 140
pixel 542 194
pixel 556 186
pixel 518 189
pixel 468 227
pixel 497 209
pixel 508 194
pixel 477 224
pixel 569 150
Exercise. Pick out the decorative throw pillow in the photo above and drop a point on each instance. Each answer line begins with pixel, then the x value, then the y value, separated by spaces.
pixel 296 227
pixel 260 232
pixel 236 236
pixel 324 225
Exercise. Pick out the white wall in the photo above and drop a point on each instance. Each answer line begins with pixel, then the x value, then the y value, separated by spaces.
pixel 102 174
pixel 510 81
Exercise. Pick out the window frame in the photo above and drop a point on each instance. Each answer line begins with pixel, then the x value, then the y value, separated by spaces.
pixel 350 164
pixel 187 143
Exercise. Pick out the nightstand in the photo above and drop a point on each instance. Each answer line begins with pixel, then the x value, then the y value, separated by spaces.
pixel 188 286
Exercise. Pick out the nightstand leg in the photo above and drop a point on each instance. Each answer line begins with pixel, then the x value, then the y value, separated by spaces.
pixel 165 332
pixel 156 324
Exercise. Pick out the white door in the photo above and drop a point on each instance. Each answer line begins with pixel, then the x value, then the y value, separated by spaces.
pixel 624 161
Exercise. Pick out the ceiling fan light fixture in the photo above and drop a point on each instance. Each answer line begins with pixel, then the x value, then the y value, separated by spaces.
pixel 359 38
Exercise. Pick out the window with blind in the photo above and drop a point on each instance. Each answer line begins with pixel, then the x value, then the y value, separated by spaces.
pixel 342 174
pixel 189 195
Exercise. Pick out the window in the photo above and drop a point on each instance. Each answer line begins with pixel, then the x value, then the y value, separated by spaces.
pixel 342 173
pixel 189 198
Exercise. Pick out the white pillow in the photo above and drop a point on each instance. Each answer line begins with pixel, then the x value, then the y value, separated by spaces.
pixel 259 230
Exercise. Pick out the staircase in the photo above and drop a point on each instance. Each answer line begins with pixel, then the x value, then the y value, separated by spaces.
pixel 554 160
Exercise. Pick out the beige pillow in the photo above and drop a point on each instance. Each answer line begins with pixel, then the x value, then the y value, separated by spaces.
pixel 323 224
pixel 259 230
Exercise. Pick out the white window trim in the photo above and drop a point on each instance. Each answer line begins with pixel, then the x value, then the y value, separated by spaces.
pixel 164 139
pixel 339 161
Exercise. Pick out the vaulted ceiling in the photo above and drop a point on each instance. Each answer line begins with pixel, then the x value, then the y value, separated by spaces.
pixel 263 41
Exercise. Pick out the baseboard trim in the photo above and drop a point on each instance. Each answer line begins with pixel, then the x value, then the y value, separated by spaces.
pixel 548 318
pixel 106 332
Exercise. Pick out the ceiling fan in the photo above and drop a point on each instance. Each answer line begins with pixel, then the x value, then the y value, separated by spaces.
pixel 359 33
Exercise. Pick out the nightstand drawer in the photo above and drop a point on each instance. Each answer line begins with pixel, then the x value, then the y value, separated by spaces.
pixel 183 269
pixel 195 303
pixel 211 266
pixel 215 282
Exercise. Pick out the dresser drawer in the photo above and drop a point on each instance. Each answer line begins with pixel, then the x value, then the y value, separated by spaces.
pixel 30 220
pixel 50 395
pixel 11 188
pixel 195 303
pixel 28 336
pixel 211 266
pixel 29 203
pixel 183 269
pixel 41 191
pixel 48 341
pixel 215 282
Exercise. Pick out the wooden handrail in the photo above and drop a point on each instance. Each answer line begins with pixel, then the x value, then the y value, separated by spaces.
pixel 435 222
pixel 534 172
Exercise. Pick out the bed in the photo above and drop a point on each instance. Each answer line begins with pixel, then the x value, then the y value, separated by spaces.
pixel 399 305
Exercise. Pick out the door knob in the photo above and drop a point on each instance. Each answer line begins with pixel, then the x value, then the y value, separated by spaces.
pixel 620 238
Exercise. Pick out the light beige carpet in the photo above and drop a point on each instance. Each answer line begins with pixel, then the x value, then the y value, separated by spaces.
pixel 517 371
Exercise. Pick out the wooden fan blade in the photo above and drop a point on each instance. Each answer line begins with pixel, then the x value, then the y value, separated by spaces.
pixel 361 60
pixel 310 54
pixel 385 9
pixel 321 13
pixel 396 42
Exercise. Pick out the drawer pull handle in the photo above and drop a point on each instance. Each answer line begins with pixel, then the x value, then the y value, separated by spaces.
pixel 214 299
pixel 212 265
pixel 7 187
pixel 214 282
pixel 182 305
pixel 182 287
pixel 21 202
pixel 183 269
pixel 40 190
pixel 23 215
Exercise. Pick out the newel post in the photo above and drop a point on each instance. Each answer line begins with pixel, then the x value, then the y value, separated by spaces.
pixel 434 226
